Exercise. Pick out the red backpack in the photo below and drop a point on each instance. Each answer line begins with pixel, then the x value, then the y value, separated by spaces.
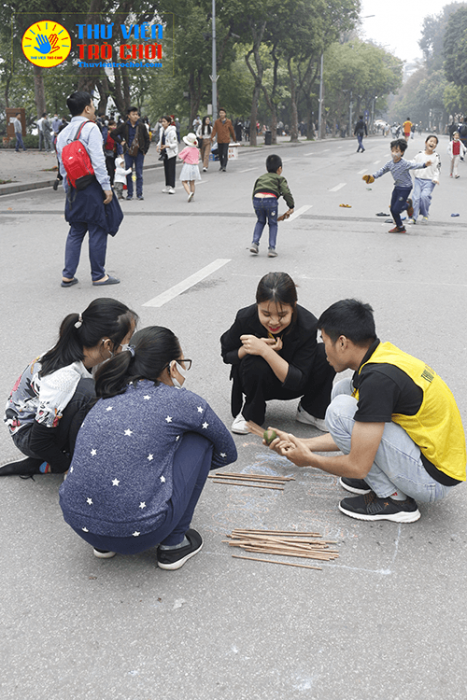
pixel 77 162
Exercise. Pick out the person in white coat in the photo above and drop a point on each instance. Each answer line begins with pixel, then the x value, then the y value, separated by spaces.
pixel 168 147
pixel 425 180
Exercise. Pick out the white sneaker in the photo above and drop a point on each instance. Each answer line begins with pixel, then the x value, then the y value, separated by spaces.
pixel 305 417
pixel 424 220
pixel 239 425
pixel 411 221
pixel 165 189
pixel 103 555
pixel 205 170
pixel 171 190
pixel 190 196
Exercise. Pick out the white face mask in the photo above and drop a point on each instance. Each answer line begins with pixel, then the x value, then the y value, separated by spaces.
pixel 181 371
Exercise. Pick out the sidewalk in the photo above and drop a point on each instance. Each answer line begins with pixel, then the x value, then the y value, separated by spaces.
pixel 32 170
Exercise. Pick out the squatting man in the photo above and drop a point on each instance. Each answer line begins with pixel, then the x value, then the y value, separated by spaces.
pixel 395 422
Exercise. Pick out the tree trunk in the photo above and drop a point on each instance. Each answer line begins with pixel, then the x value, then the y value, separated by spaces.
pixel 293 103
pixel 257 35
pixel 39 91
pixel 254 115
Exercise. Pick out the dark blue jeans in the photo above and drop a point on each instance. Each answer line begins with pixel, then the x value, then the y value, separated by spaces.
pixel 360 142
pixel 190 470
pixel 97 249
pixel 266 211
pixel 136 162
pixel 399 203
pixel 19 142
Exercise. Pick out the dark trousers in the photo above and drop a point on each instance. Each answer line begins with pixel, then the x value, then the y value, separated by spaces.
pixel 399 203
pixel 136 162
pixel 69 424
pixel 223 150
pixel 110 165
pixel 360 142
pixel 19 142
pixel 192 462
pixel 260 384
pixel 169 170
pixel 97 249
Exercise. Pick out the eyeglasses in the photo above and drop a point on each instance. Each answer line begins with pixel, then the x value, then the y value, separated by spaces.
pixel 186 364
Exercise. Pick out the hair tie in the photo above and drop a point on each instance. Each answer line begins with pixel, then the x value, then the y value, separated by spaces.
pixel 79 322
pixel 131 350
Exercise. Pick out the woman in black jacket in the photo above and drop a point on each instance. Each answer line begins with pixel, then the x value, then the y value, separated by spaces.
pixel 274 354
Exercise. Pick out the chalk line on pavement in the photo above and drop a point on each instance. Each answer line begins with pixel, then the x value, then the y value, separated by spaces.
pixel 338 187
pixel 298 212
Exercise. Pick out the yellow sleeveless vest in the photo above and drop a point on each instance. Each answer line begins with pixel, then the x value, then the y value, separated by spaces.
pixel 437 426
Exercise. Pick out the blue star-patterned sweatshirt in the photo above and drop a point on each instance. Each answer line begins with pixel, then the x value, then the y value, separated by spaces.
pixel 120 479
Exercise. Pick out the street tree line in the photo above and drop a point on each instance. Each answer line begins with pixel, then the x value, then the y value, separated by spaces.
pixel 268 60
pixel 438 89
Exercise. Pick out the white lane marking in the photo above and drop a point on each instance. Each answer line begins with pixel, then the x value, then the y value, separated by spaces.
pixel 325 150
pixel 361 172
pixel 309 154
pixel 338 187
pixel 376 162
pixel 248 169
pixel 174 291
pixel 201 182
pixel 298 212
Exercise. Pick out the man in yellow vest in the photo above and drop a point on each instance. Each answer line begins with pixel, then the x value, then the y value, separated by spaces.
pixel 396 423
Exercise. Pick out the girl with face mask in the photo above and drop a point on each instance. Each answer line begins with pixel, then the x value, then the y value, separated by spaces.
pixel 50 398
pixel 143 455
pixel 274 353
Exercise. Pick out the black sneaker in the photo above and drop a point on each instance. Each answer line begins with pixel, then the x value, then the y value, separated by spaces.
pixel 175 558
pixel 25 466
pixel 370 507
pixel 358 486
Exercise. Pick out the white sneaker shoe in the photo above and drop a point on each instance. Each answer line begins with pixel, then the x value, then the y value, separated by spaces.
pixel 101 554
pixel 165 189
pixel 239 425
pixel 171 190
pixel 305 417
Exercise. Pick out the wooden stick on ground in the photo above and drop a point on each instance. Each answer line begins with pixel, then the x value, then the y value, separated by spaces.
pixel 256 486
pixel 271 561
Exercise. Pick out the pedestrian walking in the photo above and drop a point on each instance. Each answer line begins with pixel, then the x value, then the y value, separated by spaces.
pixel 85 209
pixel 222 131
pixel 204 136
pixel 18 127
pixel 399 169
pixel 407 128
pixel 43 129
pixel 456 150
pixel 425 180
pixel 168 147
pixel 267 190
pixel 143 455
pixel 49 400
pixel 134 134
pixel 360 131
pixel 274 353
pixel 190 169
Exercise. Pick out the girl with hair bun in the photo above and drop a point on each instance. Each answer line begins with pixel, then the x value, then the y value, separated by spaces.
pixel 50 398
pixel 143 455
pixel 274 354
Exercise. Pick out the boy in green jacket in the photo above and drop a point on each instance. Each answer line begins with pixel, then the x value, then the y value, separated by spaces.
pixel 267 190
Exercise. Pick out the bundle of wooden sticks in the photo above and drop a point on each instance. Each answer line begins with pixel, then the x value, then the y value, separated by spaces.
pixel 308 545
pixel 258 481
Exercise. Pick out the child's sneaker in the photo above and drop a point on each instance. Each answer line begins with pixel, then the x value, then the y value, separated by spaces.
pixel 424 220
pixel 272 253
pixel 172 559
pixel 396 229
pixel 371 507
pixel 254 248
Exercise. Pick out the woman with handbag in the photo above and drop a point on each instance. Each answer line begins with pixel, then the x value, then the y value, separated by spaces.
pixel 203 133
pixel 168 147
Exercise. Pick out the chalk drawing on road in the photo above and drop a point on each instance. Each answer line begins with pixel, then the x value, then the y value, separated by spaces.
pixel 338 187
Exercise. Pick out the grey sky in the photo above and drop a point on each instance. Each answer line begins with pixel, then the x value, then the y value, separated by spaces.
pixel 397 24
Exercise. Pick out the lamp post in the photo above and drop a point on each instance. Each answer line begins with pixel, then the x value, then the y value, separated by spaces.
pixel 214 75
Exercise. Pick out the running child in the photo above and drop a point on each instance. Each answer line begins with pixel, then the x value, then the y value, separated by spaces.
pixel 190 169
pixel 426 181
pixel 399 168
pixel 456 150
pixel 267 190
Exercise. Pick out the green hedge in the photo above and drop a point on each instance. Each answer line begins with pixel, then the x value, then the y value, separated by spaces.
pixel 29 140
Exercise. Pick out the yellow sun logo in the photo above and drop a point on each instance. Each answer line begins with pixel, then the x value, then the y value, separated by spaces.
pixel 46 44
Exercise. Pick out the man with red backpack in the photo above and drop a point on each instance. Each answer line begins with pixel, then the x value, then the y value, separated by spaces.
pixel 87 183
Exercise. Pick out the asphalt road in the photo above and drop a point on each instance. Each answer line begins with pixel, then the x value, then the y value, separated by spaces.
pixel 389 617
